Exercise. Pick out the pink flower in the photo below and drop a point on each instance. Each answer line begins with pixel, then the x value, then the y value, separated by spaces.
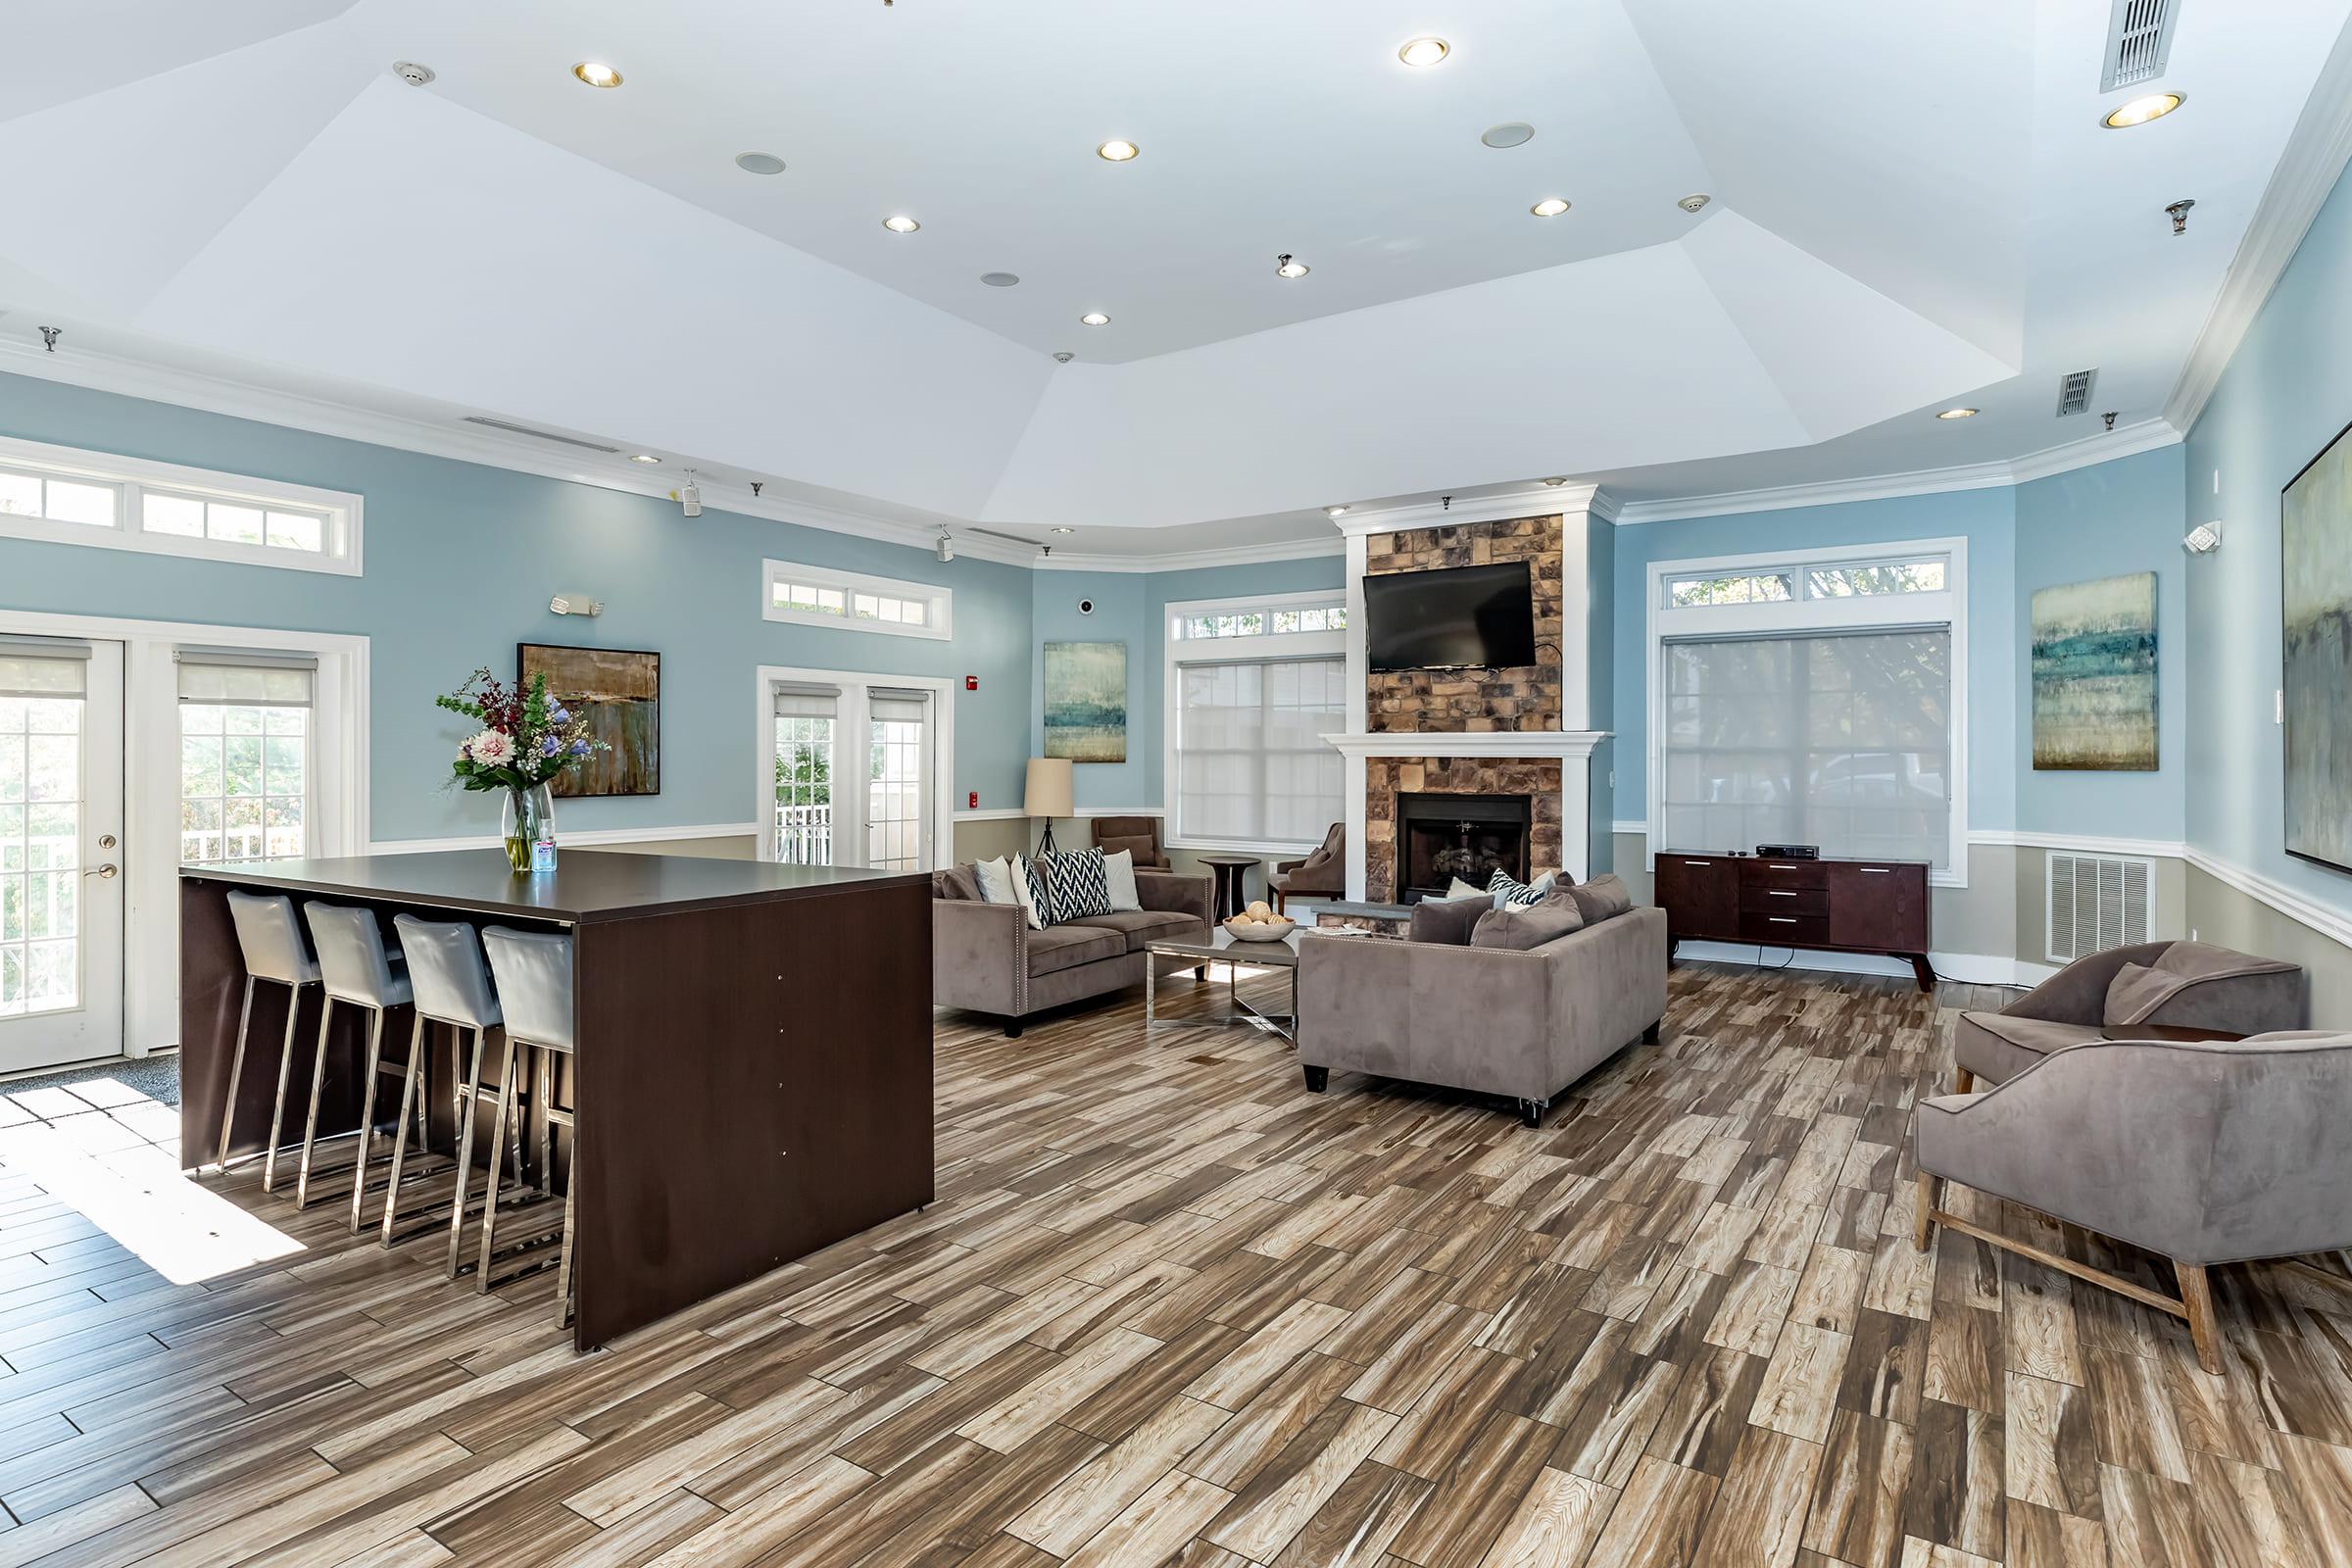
pixel 492 748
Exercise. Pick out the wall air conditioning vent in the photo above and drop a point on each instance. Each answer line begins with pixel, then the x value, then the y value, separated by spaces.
pixel 538 435
pixel 2140 34
pixel 2097 901
pixel 2074 391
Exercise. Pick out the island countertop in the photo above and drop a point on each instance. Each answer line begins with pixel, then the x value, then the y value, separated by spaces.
pixel 586 886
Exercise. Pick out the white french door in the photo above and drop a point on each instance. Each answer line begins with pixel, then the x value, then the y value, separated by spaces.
pixel 854 769
pixel 60 851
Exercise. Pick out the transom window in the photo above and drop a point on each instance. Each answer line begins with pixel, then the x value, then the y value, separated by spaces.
pixel 95 498
pixel 1775 584
pixel 1261 622
pixel 819 595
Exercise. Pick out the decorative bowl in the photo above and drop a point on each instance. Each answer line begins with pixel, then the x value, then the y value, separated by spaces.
pixel 1260 930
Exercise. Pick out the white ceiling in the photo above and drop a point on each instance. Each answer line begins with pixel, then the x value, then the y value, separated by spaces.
pixel 1914 205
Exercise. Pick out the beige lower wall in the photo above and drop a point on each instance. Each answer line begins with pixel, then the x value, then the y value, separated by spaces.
pixel 994 837
pixel 2222 915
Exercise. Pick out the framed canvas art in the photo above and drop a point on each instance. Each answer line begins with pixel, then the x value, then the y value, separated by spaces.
pixel 2094 675
pixel 1085 702
pixel 2315 557
pixel 620 691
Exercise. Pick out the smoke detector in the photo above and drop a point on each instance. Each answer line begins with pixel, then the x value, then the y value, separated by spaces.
pixel 1063 355
pixel 1695 202
pixel 410 71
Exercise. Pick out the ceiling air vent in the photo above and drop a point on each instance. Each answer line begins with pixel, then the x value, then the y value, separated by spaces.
pixel 537 435
pixel 2074 391
pixel 2140 34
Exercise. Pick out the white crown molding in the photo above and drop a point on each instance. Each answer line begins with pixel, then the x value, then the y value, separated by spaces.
pixel 2314 159
pixel 583 839
pixel 1190 560
pixel 2147 435
pixel 2329 922
pixel 1576 744
pixel 1532 501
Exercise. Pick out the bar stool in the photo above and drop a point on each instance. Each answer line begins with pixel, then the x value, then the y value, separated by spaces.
pixel 534 989
pixel 357 971
pixel 271 939
pixel 452 986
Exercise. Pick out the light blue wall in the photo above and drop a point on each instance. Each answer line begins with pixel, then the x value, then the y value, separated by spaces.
pixel 1986 519
pixel 2109 520
pixel 459 562
pixel 1601 684
pixel 1130 608
pixel 2287 392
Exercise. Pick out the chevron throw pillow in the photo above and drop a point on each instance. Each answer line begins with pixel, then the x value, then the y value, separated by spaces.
pixel 1076 884
pixel 1510 893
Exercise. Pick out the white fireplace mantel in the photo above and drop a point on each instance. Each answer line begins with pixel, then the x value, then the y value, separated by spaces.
pixel 1572 747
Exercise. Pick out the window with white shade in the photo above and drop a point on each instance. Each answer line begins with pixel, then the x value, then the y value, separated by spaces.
pixel 1251 764
pixel 849 601
pixel 1812 698
pixel 245 769
pixel 856 767
pixel 803 831
pixel 71 496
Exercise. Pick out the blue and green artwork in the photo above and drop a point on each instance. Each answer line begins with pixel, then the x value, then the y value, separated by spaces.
pixel 2094 675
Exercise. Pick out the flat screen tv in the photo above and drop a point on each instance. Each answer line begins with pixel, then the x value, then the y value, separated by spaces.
pixel 1462 617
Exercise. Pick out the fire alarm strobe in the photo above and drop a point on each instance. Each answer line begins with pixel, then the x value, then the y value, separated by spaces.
pixel 971 683
pixel 971 802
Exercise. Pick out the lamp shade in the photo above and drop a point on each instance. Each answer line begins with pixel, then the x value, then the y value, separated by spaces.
pixel 1047 791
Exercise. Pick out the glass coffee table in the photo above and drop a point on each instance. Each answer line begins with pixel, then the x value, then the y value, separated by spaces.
pixel 1222 947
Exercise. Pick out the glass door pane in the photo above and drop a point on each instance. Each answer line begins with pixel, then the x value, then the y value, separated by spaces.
pixel 898 781
pixel 803 773
pixel 41 851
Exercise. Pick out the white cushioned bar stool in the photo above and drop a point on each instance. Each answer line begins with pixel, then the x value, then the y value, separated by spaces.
pixel 357 972
pixel 452 986
pixel 271 939
pixel 534 991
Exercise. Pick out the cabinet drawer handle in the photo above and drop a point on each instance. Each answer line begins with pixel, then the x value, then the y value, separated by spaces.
pixel 1782 919
pixel 1698 862
pixel 1781 893
pixel 1878 870
pixel 1783 865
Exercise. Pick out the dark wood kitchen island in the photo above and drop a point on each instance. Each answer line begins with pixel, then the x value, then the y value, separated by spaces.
pixel 753 1072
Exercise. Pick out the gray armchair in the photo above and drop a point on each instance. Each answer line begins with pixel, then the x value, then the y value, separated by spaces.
pixel 2166 986
pixel 2204 1152
pixel 1323 874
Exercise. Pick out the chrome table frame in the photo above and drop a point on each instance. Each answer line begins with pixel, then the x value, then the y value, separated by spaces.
pixel 1221 950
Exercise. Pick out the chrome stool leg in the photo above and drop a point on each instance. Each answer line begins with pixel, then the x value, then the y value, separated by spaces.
pixel 572 1198
pixel 359 1167
pixel 412 1101
pixel 498 1133
pixel 309 1130
pixel 468 1105
pixel 286 1074
pixel 236 1070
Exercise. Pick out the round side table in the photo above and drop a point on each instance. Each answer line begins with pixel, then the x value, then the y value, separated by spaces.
pixel 1231 894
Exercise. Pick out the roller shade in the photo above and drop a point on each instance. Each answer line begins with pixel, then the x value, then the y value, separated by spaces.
pixel 42 666
pixel 807 701
pixel 885 706
pixel 246 677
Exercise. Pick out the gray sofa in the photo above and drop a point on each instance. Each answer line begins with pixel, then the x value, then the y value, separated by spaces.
pixel 984 957
pixel 1524 1024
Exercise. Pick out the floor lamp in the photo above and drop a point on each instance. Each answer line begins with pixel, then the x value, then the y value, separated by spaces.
pixel 1047 794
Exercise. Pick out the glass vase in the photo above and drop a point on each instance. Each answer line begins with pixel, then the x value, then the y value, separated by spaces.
pixel 528 825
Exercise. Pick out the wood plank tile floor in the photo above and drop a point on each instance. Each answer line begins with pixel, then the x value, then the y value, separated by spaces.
pixel 1171 1309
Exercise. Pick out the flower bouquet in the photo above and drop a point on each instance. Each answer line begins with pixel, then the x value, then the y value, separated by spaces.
pixel 527 738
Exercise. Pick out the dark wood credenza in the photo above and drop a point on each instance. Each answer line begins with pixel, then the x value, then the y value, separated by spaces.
pixel 1831 905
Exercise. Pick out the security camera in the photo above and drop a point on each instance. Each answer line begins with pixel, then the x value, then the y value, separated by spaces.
pixel 2203 539
pixel 1086 606
pixel 945 548
pixel 689 496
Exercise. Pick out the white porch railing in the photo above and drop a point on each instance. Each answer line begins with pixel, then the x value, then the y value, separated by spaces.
pixel 804 834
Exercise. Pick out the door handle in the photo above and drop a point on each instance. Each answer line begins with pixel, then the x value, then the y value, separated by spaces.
pixel 106 841
pixel 104 873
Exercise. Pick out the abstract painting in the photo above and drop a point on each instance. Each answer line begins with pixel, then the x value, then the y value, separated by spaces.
pixel 1085 702
pixel 2315 556
pixel 619 692
pixel 2094 675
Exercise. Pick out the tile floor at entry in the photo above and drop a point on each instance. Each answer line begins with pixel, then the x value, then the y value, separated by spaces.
pixel 1171 1309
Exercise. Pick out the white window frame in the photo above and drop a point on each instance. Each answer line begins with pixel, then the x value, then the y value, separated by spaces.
pixel 338 783
pixel 939 603
pixel 1264 647
pixel 131 479
pixel 849 818
pixel 1804 613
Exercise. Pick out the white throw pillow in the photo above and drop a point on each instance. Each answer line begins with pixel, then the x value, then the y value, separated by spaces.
pixel 1118 871
pixel 1022 896
pixel 996 881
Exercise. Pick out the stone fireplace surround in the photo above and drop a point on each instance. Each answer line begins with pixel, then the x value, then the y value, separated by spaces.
pixel 1536 780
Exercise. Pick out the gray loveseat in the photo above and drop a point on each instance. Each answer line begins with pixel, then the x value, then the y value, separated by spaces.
pixel 984 957
pixel 1524 1024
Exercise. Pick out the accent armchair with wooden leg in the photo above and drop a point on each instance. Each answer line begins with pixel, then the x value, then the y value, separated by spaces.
pixel 2207 1152
pixel 1323 874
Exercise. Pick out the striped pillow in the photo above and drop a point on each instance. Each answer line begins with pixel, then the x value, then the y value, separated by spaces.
pixel 1510 893
pixel 1076 886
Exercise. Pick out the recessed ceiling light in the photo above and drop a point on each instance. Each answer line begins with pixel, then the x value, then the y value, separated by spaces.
pixel 1334 511
pixel 2140 110
pixel 1695 202
pixel 1557 483
pixel 1289 266
pixel 596 73
pixel 1510 133
pixel 1094 319
pixel 1549 207
pixel 1116 151
pixel 645 457
pixel 1957 414
pixel 900 224
pixel 1062 530
pixel 1000 280
pixel 759 163
pixel 1423 51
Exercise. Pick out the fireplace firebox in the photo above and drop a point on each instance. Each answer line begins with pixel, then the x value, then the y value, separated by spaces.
pixel 1441 837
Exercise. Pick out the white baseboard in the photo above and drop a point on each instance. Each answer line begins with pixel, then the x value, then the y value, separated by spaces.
pixel 1967 969
pixel 583 838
